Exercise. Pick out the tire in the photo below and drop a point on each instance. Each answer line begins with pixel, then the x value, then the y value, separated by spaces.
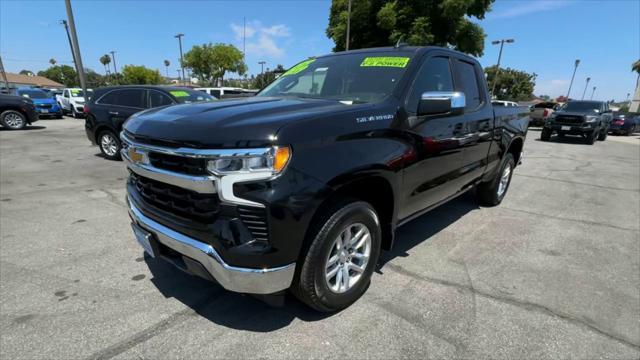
pixel 311 286
pixel 545 134
pixel 591 138
pixel 13 120
pixel 109 145
pixel 492 192
pixel 602 135
pixel 74 113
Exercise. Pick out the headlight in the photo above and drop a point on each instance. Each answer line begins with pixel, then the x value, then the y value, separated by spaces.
pixel 591 119
pixel 272 162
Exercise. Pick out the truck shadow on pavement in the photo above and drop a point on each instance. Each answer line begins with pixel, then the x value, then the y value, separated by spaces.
pixel 26 128
pixel 243 312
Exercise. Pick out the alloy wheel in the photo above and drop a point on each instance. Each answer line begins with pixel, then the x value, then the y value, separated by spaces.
pixel 348 258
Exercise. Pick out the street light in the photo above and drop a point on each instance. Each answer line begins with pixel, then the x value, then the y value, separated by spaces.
pixel 501 42
pixel 585 88
pixel 261 72
pixel 577 62
pixel 348 25
pixel 593 92
pixel 115 67
pixel 179 37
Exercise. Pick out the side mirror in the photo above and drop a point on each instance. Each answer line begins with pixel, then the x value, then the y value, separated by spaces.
pixel 441 102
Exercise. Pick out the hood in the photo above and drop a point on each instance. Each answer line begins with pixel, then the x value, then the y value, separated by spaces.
pixel 44 101
pixel 233 123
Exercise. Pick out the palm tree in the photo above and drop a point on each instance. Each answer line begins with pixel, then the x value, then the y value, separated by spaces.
pixel 105 60
pixel 52 61
pixel 166 65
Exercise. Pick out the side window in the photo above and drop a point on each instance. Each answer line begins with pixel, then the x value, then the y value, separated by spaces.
pixel 434 75
pixel 469 84
pixel 157 98
pixel 215 93
pixel 66 93
pixel 131 98
pixel 109 99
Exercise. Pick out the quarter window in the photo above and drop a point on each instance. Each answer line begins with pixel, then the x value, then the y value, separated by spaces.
pixel 434 75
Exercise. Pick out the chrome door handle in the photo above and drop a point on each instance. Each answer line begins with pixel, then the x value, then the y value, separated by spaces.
pixel 113 112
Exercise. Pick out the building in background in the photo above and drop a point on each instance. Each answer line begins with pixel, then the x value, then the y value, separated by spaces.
pixel 18 81
pixel 634 107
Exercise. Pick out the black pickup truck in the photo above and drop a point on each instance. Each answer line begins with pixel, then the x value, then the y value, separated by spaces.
pixel 589 119
pixel 302 186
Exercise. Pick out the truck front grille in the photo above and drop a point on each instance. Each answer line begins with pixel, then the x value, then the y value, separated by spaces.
pixel 45 106
pixel 255 219
pixel 571 120
pixel 177 201
pixel 179 164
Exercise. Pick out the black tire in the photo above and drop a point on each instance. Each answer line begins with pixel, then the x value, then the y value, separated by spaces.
pixel 545 134
pixel 602 135
pixel 108 151
pixel 591 138
pixel 310 284
pixel 74 113
pixel 490 193
pixel 13 120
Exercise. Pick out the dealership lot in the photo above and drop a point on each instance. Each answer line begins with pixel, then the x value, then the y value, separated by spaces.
pixel 552 272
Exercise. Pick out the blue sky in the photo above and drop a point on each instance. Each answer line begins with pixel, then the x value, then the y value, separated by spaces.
pixel 550 35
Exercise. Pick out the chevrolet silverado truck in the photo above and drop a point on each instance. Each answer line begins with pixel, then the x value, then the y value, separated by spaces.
pixel 589 119
pixel 303 185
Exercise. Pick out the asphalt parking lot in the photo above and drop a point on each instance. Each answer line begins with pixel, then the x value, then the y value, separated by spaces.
pixel 554 272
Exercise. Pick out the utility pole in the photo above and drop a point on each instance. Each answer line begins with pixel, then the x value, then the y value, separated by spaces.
pixel 76 49
pixel 261 72
pixel 585 88
pixel 6 82
pixel 593 92
pixel 575 67
pixel 73 53
pixel 495 80
pixel 115 68
pixel 348 25
pixel 179 37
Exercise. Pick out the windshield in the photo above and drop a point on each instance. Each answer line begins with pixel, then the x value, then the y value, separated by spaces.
pixel 33 94
pixel 186 96
pixel 582 106
pixel 80 93
pixel 358 78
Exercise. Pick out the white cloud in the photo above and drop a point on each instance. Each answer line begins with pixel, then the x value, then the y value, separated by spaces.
pixel 528 7
pixel 553 88
pixel 261 40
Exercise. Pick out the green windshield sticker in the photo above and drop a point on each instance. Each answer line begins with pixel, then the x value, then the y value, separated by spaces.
pixel 296 69
pixel 179 93
pixel 386 61
pixel 75 93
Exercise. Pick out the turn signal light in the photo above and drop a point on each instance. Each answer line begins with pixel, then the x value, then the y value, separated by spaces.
pixel 281 158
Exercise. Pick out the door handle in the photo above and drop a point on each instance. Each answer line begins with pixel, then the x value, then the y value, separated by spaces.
pixel 113 112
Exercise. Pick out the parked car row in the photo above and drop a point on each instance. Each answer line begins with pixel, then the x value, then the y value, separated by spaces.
pixel 227 92
pixel 623 124
pixel 45 105
pixel 16 112
pixel 72 100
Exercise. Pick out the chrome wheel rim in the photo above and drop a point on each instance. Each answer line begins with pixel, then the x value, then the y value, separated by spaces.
pixel 348 258
pixel 13 121
pixel 109 144
pixel 504 180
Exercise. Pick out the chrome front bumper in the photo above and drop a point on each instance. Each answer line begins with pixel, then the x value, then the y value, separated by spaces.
pixel 243 280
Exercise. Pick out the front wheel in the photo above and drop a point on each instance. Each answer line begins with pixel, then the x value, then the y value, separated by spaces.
pixel 545 135
pixel 602 136
pixel 109 145
pixel 13 120
pixel 591 138
pixel 337 268
pixel 492 192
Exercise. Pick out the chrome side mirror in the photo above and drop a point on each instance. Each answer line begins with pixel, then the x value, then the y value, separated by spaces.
pixel 442 102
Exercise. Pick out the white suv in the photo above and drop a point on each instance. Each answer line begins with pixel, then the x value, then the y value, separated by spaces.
pixel 72 101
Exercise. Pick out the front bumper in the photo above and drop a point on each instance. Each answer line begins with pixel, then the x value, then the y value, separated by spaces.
pixel 232 278
pixel 576 129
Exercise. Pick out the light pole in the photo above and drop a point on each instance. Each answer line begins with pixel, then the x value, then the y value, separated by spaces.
pixel 575 67
pixel 585 88
pixel 66 28
pixel 261 72
pixel 348 25
pixel 76 48
pixel 501 42
pixel 593 92
pixel 627 100
pixel 179 37
pixel 115 67
pixel 179 79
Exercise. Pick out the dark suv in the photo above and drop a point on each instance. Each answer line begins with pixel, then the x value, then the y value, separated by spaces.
pixel 590 119
pixel 111 106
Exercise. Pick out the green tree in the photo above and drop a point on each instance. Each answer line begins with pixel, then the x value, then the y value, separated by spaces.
pixel 64 74
pixel 210 62
pixel 416 22
pixel 513 85
pixel 105 60
pixel 166 66
pixel 94 79
pixel 52 61
pixel 138 75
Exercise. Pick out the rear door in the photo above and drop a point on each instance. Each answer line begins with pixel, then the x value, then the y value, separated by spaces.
pixel 477 131
pixel 122 103
pixel 158 98
pixel 435 175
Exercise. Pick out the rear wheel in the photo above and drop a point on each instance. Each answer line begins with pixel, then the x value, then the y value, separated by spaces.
pixel 545 135
pixel 13 120
pixel 337 268
pixel 109 145
pixel 492 192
